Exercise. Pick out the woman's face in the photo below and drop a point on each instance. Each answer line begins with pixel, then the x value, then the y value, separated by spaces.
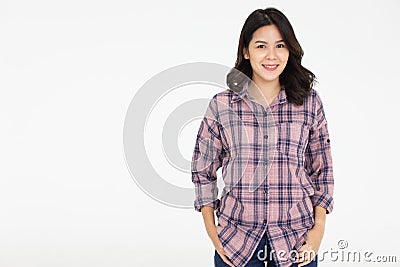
pixel 268 54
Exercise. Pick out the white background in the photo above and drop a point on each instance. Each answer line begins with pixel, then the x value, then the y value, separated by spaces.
pixel 68 71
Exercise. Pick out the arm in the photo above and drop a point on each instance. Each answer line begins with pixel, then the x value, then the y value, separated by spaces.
pixel 318 161
pixel 307 252
pixel 206 160
pixel 319 225
pixel 318 164
pixel 319 217
pixel 208 217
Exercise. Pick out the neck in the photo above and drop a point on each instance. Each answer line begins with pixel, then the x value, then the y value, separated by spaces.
pixel 268 88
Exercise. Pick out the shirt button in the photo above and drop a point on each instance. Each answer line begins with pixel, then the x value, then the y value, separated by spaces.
pixel 265 221
pixel 265 162
pixel 266 136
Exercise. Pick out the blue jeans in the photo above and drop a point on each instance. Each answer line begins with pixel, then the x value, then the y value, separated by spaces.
pixel 256 262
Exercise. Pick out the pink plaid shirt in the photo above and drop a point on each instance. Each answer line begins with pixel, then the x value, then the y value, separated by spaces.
pixel 276 165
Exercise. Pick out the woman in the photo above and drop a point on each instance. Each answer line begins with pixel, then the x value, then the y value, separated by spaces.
pixel 269 134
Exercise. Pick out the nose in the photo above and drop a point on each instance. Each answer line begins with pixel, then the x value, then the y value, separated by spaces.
pixel 271 53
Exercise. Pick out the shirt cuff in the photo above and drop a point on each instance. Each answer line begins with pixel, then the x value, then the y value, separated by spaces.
pixel 324 201
pixel 214 204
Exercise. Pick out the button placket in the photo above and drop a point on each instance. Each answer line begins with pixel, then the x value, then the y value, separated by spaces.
pixel 265 135
pixel 263 115
pixel 265 152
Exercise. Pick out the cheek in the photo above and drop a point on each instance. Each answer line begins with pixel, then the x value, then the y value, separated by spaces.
pixel 257 56
pixel 284 56
pixel 255 62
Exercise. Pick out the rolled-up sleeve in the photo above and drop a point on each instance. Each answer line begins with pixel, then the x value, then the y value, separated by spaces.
pixel 207 159
pixel 318 160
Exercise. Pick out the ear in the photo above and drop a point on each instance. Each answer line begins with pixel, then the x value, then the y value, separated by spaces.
pixel 245 53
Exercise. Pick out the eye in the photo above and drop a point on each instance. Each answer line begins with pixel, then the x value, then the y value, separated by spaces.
pixel 261 46
pixel 280 46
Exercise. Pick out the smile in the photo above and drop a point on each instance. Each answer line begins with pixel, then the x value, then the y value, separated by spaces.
pixel 270 67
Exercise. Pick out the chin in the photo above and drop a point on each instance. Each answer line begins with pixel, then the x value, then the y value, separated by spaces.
pixel 270 78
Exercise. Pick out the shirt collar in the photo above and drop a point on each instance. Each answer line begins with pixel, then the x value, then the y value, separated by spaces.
pixel 243 93
pixel 238 95
pixel 282 95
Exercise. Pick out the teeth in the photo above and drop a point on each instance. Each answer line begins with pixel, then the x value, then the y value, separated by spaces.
pixel 270 67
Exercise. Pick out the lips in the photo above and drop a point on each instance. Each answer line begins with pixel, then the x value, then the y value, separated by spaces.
pixel 270 67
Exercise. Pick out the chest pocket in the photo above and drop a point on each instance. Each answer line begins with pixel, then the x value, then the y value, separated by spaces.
pixel 292 138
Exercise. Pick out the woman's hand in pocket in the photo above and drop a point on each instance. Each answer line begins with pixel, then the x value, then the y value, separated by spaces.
pixel 218 247
pixel 208 215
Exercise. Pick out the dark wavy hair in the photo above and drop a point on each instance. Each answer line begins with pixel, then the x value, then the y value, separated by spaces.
pixel 296 79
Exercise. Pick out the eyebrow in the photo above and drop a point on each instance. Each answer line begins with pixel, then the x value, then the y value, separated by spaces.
pixel 264 42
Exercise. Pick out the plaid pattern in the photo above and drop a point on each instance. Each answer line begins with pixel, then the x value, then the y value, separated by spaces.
pixel 276 165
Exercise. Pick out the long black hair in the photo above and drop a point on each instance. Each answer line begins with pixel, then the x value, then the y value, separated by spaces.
pixel 296 79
